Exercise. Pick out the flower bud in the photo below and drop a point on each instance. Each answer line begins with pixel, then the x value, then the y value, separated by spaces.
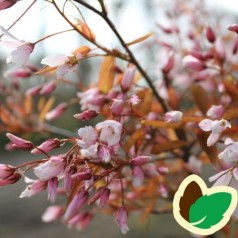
pixel 122 219
pixel 48 88
pixel 102 194
pixel 86 115
pixel 56 112
pixel 140 160
pixel 128 78
pixel 169 64
pixel 86 175
pixel 6 171
pixel 76 203
pixel 173 116
pixel 193 63
pixel 211 37
pixel 52 213
pixel 34 90
pixel 233 27
pixel 47 146
pixel 20 143
pixel 117 107
pixel 52 189
pixel 10 180
pixel 4 4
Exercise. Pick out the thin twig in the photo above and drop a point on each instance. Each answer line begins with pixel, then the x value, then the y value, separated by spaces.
pixel 125 46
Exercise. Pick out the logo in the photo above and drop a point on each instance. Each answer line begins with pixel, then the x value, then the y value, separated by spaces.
pixel 203 210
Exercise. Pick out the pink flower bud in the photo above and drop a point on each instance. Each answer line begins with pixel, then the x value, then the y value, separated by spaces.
pixel 193 63
pixel 102 194
pixel 34 90
pixel 117 107
pixel 36 187
pixel 122 219
pixel 48 88
pixel 52 213
pixel 163 191
pixel 77 202
pixel 140 160
pixel 56 112
pixel 220 49
pixel 68 181
pixel 4 4
pixel 233 27
pixel 80 221
pixel 50 169
pixel 128 78
pixel 10 180
pixel 19 73
pixel 20 143
pixel 6 171
pixel 235 46
pixel 86 115
pixel 47 146
pixel 173 116
pixel 138 176
pixel 211 37
pixel 215 111
pixel 86 175
pixel 169 64
pixel 52 189
pixel 104 154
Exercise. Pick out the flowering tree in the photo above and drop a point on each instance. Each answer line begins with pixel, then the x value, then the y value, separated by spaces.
pixel 143 135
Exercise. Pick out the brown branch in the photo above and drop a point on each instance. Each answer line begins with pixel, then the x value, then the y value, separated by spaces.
pixel 133 60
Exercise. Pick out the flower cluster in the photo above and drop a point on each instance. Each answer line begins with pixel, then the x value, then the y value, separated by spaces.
pixel 137 137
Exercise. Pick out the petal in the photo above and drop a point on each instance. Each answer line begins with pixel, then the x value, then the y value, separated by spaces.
pixel 206 124
pixel 212 139
pixel 54 61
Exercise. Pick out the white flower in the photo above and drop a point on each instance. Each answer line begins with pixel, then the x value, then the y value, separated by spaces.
pixel 173 116
pixel 88 137
pixel 110 131
pixel 216 127
pixel 231 151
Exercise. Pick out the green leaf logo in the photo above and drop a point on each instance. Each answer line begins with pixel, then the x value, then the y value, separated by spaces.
pixel 202 210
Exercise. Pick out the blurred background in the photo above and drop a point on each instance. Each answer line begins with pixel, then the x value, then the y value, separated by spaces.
pixel 134 18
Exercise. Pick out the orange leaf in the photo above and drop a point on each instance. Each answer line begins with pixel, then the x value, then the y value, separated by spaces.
pixel 85 30
pixel 28 104
pixel 168 146
pixel 142 38
pixel 146 97
pixel 83 50
pixel 162 124
pixel 211 151
pixel 45 70
pixel 201 98
pixel 106 74
pixel 46 108
pixel 231 113
pixel 231 89
pixel 135 137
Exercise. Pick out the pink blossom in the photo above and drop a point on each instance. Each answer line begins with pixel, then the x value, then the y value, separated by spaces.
pixel 85 175
pixel 48 88
pixel 216 127
pixel 128 78
pixel 56 112
pixel 220 49
pixel 227 177
pixel 134 100
pixel 138 176
pixel 20 143
pixel 6 171
pixel 34 90
pixel 34 188
pixel 80 221
pixel 4 4
pixel 10 179
pixel 77 202
pixel 122 219
pixel 52 213
pixel 86 115
pixel 104 154
pixel 211 37
pixel 88 137
pixel 193 63
pixel 52 189
pixel 50 169
pixel 117 107
pixel 233 27
pixel 215 111
pixel 102 194
pixel 168 66
pixel 87 99
pixel 64 64
pixel 173 116
pixel 140 160
pixel 231 151
pixel 47 146
pixel 110 131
